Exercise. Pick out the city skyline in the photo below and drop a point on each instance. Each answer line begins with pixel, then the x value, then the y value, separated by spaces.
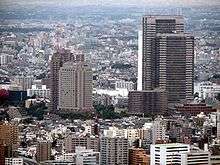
pixel 109 82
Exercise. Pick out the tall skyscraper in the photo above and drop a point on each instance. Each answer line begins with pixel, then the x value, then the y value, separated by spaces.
pixel 167 55
pixel 75 87
pixel 174 65
pixel 57 61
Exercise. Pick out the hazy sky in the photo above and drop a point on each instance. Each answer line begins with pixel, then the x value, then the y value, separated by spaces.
pixel 115 2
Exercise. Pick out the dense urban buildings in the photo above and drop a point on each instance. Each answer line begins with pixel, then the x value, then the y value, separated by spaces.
pixel 59 57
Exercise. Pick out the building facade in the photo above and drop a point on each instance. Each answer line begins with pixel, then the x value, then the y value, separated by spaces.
pixel 196 157
pixel 9 135
pixel 138 156
pixel 75 87
pixel 152 102
pixel 39 90
pixel 168 154
pixel 71 142
pixel 114 151
pixel 167 57
pixel 174 65
pixel 86 156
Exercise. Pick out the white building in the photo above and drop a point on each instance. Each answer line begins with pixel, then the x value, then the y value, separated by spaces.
pixel 5 59
pixel 13 161
pixel 159 129
pixel 168 154
pixel 114 132
pixel 65 156
pixel 207 89
pixel 86 156
pixel 195 158
pixel 39 90
pixel 122 84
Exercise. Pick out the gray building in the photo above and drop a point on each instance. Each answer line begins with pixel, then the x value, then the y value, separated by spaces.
pixel 152 102
pixel 166 57
pixel 57 61
pixel 114 151
pixel 75 87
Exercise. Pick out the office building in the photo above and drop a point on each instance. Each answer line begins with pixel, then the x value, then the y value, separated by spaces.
pixel 148 102
pixel 167 55
pixel 86 156
pixel 72 141
pixel 151 25
pixel 138 156
pixel 167 154
pixel 114 151
pixel 75 87
pixel 43 151
pixel 174 65
pixel 57 61
pixel 196 157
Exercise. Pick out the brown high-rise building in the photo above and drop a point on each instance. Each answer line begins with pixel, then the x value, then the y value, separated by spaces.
pixel 138 156
pixel 57 61
pixel 75 87
pixel 43 151
pixel 9 135
pixel 166 57
pixel 151 102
